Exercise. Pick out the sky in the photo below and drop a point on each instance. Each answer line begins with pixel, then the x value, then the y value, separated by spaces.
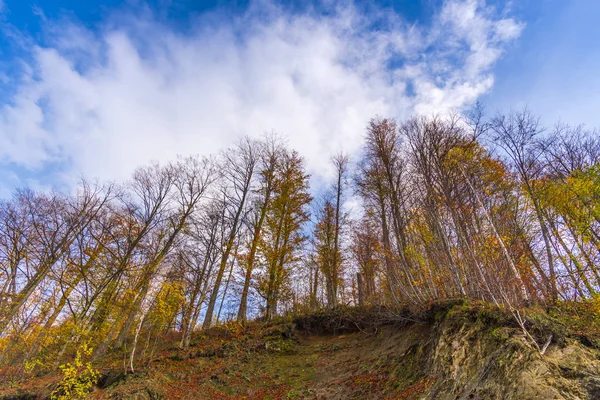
pixel 97 88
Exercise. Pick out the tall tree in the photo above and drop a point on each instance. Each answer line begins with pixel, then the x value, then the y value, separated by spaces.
pixel 271 151
pixel 239 169
pixel 517 134
pixel 283 227
pixel 326 253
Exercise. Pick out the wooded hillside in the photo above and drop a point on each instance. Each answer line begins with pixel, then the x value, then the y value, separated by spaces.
pixel 499 210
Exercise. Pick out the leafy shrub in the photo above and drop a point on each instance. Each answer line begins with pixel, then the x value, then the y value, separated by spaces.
pixel 78 377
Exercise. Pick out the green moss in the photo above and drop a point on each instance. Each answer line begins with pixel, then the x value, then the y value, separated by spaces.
pixel 280 345
pixel 542 325
pixel 409 368
pixel 502 334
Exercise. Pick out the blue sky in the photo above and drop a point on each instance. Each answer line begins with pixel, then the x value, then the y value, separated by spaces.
pixel 97 88
pixel 553 67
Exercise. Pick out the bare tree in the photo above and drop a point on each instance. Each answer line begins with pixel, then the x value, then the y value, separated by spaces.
pixel 517 134
pixel 239 170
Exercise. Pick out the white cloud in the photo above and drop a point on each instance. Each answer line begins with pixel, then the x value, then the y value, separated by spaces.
pixel 102 103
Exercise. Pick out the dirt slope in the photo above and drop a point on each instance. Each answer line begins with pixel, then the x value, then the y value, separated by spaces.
pixel 455 353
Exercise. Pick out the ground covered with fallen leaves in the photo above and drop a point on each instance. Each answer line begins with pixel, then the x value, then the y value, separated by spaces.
pixel 449 352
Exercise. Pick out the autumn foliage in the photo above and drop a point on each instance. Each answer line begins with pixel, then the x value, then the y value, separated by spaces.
pixel 495 210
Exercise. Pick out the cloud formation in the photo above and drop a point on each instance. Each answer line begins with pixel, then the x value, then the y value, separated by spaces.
pixel 102 102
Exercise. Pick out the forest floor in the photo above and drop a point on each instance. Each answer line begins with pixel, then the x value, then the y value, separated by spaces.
pixel 452 351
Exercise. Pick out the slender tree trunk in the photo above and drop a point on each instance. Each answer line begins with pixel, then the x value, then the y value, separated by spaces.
pixel 360 289
pixel 256 234
pixel 227 282
pixel 516 273
pixel 234 228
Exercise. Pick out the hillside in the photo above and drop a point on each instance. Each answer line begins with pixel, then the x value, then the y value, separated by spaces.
pixel 264 199
pixel 451 351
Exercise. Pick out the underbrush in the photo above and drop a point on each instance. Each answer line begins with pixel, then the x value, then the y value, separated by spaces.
pixel 579 320
pixel 355 319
